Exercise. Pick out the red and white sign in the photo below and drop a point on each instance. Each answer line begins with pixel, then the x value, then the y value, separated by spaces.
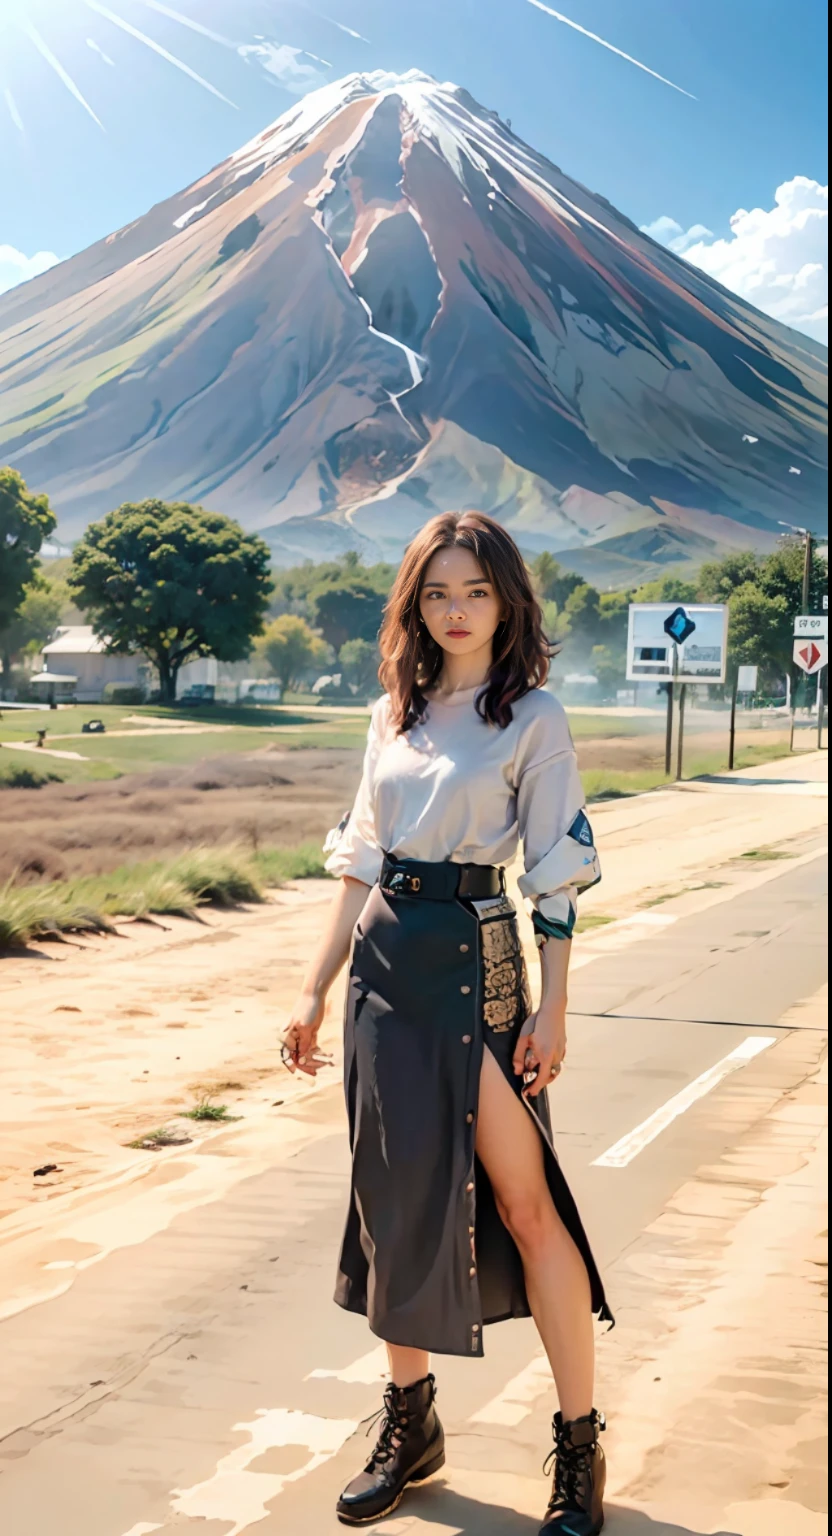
pixel 811 655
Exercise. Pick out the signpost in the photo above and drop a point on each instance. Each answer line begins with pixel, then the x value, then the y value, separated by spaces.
pixel 810 655
pixel 675 643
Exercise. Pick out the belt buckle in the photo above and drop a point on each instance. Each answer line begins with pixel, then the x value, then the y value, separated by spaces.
pixel 401 881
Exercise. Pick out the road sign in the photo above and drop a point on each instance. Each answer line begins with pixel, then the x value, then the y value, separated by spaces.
pixel 811 625
pixel 654 653
pixel 679 626
pixel 811 655
pixel 747 679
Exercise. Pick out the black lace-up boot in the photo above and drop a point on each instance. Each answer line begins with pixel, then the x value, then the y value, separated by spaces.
pixel 576 1506
pixel 410 1448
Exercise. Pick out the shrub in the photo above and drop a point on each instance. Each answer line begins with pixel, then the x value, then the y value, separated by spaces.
pixel 12 777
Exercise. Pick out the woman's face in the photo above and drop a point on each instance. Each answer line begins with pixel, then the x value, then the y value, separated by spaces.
pixel 458 603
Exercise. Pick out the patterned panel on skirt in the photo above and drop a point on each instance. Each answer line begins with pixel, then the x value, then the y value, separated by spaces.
pixel 506 996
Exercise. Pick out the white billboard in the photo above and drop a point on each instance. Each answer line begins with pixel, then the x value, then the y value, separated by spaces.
pixel 652 654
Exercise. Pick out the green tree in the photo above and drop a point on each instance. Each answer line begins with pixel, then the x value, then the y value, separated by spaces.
pixel 667 589
pixel 555 623
pixel 291 649
pixel 551 582
pixel 760 630
pixel 719 578
pixel 608 663
pixel 173 581
pixel 358 660
pixel 350 610
pixel 583 608
pixel 36 618
pixel 763 593
pixel 25 521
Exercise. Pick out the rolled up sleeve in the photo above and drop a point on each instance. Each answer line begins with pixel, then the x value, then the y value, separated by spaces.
pixel 558 845
pixel 354 844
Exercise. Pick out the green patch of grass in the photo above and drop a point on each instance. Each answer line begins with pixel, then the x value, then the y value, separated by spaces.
pixel 764 855
pixel 18 775
pixel 588 727
pixel 223 877
pixel 613 784
pixel 276 865
pixel 45 911
pixel 154 1141
pixel 206 1109
pixel 592 920
pixel 49 770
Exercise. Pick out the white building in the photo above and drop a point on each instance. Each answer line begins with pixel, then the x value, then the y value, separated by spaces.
pixel 91 674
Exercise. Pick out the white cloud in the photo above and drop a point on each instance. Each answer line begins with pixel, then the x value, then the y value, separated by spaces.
pixel 776 258
pixel 296 69
pixel 671 234
pixel 16 268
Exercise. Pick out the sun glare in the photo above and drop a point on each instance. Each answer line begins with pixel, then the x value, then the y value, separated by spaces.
pixel 30 20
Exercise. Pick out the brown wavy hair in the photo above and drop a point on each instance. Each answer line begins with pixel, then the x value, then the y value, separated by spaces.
pixel 412 662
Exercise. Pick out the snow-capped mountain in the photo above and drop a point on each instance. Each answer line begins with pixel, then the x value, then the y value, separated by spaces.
pixel 387 304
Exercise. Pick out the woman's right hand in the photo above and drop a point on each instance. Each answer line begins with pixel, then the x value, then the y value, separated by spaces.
pixel 300 1037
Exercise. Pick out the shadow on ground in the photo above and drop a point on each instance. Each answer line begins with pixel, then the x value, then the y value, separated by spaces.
pixel 442 1506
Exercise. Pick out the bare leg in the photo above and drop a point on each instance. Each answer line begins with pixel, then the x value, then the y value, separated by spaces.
pixel 407 1365
pixel 511 1152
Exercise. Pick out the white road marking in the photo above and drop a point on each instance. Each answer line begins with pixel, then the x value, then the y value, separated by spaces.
pixel 635 1141
pixel 517 1399
pixel 367 1370
pixel 237 1494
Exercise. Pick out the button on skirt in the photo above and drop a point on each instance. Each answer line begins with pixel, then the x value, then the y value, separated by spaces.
pixel 425 1256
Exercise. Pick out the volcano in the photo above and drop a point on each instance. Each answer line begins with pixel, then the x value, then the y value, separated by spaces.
pixel 387 305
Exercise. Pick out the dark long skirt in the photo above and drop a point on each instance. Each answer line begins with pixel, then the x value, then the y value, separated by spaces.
pixel 425 1255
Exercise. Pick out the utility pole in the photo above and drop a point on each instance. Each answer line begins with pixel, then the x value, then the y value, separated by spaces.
pixel 808 541
pixel 807 568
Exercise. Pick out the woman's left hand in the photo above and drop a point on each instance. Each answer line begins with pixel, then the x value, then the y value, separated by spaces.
pixel 540 1051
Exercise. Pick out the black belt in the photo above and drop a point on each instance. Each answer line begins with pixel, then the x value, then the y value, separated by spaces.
pixel 441 882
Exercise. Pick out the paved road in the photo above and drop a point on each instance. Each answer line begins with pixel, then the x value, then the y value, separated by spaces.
pixel 199 1380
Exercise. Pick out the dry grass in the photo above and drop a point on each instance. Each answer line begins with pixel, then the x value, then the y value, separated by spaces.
pixel 221 877
pixel 263 801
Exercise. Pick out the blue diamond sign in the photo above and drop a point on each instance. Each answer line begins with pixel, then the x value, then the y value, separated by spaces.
pixel 679 626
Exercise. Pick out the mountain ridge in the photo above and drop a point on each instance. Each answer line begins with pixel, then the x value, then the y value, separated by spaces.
pixel 386 304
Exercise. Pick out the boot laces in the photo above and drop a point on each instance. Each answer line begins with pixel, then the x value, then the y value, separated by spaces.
pixel 394 1419
pixel 573 1465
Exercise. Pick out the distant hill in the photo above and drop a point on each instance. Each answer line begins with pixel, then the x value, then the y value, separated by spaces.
pixel 387 305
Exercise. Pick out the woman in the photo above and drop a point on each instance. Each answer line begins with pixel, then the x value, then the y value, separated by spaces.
pixel 460 1214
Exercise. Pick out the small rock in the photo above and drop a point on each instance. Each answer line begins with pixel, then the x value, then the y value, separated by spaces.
pixel 40 1173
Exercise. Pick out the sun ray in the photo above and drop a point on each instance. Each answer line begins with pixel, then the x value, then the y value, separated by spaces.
pixel 43 48
pixel 185 21
pixel 13 112
pixel 593 37
pixel 171 58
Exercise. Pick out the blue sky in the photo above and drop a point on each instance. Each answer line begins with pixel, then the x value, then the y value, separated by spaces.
pixel 105 108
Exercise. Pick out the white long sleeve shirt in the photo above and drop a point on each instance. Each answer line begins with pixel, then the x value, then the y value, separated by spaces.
pixel 455 788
